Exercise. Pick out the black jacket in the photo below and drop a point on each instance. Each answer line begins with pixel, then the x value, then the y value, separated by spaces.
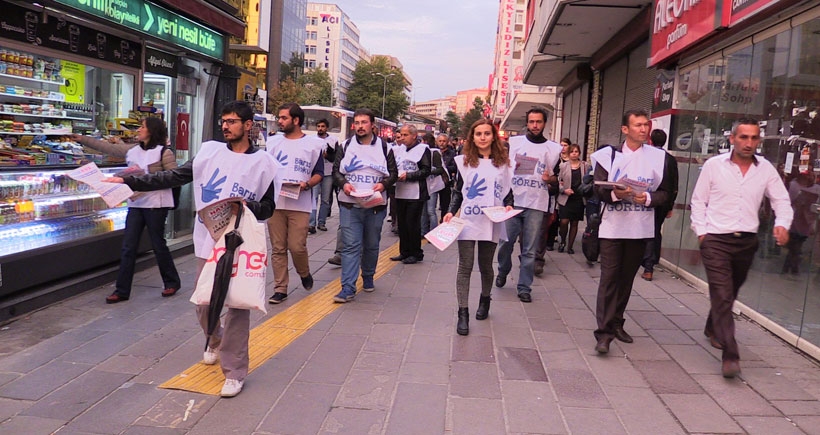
pixel 262 209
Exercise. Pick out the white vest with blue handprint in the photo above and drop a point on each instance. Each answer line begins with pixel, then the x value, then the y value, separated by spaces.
pixel 484 186
pixel 363 166
pixel 530 190
pixel 220 173
pixel 408 161
pixel 297 158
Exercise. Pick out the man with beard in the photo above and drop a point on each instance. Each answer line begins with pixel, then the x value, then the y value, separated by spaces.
pixel 363 171
pixel 325 188
pixel 300 158
pixel 533 158
pixel 216 167
pixel 413 162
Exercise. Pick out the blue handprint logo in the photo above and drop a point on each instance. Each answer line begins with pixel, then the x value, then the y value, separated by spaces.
pixel 354 165
pixel 282 158
pixel 212 190
pixel 476 188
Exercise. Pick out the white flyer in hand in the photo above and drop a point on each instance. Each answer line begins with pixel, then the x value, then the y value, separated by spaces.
pixel 499 213
pixel 525 165
pixel 112 193
pixel 290 190
pixel 445 234
pixel 368 198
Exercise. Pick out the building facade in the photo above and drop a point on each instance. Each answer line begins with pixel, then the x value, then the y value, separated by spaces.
pixel 465 99
pixel 510 97
pixel 710 63
pixel 435 108
pixel 332 43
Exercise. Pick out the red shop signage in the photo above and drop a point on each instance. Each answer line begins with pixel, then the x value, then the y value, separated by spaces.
pixel 183 131
pixel 735 11
pixel 678 24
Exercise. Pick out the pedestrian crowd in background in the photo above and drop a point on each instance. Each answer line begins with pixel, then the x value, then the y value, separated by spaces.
pixel 625 192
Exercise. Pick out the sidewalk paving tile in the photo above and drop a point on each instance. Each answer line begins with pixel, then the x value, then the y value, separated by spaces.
pixel 552 341
pixel 353 421
pixel 388 338
pixel 23 424
pixel 44 380
pixel 531 407
pixel 428 348
pixel 103 347
pixel 700 414
pixel 643 349
pixel 667 377
pixel 768 426
pixel 797 407
pixel 577 388
pixel 332 360
pixel 809 423
pixel 415 400
pixel 736 398
pixel 301 409
pixel 773 386
pixel 477 416
pixel 177 410
pixel 381 362
pixel 521 364
pixel 642 412
pixel 669 336
pixel 425 372
pixel 46 351
pixel 616 372
pixel 77 395
pixel 400 310
pixel 474 380
pixel 512 336
pixel 473 348
pixel 593 421
pixel 693 358
pixel 365 389
pixel 116 412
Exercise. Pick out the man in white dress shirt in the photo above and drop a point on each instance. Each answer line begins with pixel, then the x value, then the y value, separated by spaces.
pixel 725 202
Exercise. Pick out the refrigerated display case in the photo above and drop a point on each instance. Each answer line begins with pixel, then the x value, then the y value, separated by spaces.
pixel 45 211
pixel 157 88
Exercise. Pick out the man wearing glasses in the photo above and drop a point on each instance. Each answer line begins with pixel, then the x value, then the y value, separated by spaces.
pixel 725 202
pixel 222 170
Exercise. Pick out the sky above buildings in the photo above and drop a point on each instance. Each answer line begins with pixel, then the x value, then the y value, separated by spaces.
pixel 445 45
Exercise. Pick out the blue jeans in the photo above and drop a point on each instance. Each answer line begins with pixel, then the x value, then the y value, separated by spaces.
pixel 361 234
pixel 135 221
pixel 326 193
pixel 314 194
pixel 429 218
pixel 526 224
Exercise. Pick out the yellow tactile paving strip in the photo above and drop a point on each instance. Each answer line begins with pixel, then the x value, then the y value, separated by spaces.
pixel 267 339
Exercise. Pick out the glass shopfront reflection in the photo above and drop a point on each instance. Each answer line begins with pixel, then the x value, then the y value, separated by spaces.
pixel 777 81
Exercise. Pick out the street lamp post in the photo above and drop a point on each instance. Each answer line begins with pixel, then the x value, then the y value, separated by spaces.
pixel 384 87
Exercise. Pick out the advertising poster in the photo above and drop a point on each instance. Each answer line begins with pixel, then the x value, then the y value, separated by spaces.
pixel 74 88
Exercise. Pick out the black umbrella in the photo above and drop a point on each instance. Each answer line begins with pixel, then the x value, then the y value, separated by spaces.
pixel 222 276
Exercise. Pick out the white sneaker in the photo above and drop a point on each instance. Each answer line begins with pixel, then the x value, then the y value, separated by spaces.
pixel 209 356
pixel 231 388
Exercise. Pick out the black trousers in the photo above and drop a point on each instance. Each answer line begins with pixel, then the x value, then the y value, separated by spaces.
pixel 620 260
pixel 444 200
pixel 408 213
pixel 727 259
pixel 652 254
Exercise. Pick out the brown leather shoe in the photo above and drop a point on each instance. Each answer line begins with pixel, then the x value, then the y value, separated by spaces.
pixel 113 298
pixel 647 276
pixel 730 369
pixel 716 344
pixel 621 335
pixel 603 345
pixel 169 292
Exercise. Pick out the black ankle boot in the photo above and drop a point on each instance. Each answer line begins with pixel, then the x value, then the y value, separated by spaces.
pixel 463 325
pixel 483 308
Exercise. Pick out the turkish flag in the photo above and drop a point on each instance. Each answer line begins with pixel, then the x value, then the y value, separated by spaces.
pixel 183 131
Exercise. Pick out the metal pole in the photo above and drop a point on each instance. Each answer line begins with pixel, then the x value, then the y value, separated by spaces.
pixel 384 93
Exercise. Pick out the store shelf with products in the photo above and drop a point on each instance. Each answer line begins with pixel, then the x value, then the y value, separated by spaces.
pixel 35 118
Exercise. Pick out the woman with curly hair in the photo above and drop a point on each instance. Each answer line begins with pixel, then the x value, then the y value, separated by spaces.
pixel 484 179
